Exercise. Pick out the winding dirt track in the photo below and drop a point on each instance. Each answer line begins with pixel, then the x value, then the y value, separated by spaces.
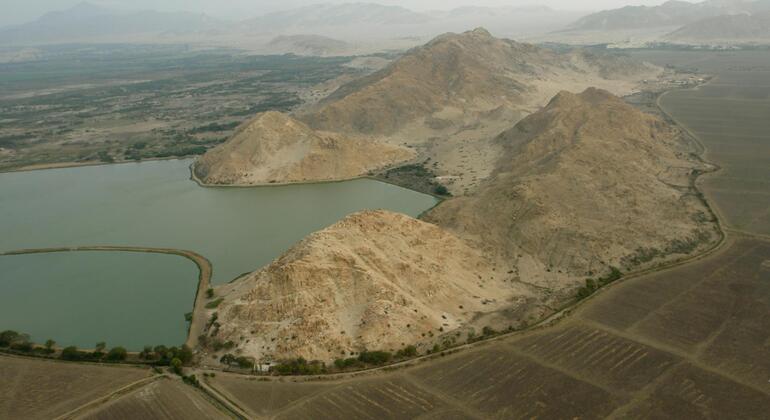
pixel 204 277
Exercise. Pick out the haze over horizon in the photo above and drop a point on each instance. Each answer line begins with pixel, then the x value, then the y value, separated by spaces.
pixel 19 11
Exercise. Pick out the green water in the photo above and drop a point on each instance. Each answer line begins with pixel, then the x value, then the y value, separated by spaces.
pixel 81 298
pixel 152 204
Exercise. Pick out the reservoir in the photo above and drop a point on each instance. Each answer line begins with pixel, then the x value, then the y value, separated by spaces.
pixel 150 204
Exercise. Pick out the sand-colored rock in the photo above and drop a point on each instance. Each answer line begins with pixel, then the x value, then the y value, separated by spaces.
pixel 275 148
pixel 375 280
pixel 449 98
pixel 587 182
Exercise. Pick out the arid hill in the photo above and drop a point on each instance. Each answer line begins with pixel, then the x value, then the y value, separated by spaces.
pixel 586 183
pixel 275 148
pixel 748 28
pixel 466 73
pixel 450 97
pixel 375 280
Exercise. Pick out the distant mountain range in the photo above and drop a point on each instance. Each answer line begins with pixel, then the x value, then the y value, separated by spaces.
pixel 727 28
pixel 87 22
pixel 349 22
pixel 356 28
pixel 670 13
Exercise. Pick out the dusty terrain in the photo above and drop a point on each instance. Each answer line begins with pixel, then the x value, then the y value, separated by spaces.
pixel 583 185
pixel 586 183
pixel 275 148
pixel 41 389
pixel 449 98
pixel 375 280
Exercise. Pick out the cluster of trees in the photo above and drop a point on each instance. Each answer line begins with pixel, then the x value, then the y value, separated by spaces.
pixel 594 285
pixel 214 127
pixel 15 341
pixel 375 358
pixel 176 357
pixel 115 354
pixel 299 366
pixel 239 361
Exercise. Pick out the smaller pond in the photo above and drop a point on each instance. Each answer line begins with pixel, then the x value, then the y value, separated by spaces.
pixel 140 300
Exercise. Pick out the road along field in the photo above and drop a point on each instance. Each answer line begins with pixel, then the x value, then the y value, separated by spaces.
pixel 43 389
pixel 161 399
pixel 687 342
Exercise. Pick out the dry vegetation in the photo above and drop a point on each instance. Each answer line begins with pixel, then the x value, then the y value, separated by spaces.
pixel 161 399
pixel 38 389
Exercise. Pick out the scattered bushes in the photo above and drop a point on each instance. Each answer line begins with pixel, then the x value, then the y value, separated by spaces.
pixel 406 352
pixel 214 303
pixel 299 366
pixel 240 361
pixel 593 285
pixel 375 357
pixel 117 354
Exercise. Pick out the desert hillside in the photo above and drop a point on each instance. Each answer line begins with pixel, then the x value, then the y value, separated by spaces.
pixel 445 100
pixel 585 183
pixel 450 97
pixel 275 148
pixel 375 280
pixel 466 73
pixel 742 27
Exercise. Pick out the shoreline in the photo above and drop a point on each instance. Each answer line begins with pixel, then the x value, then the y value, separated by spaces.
pixel 203 184
pixel 205 271
pixel 69 165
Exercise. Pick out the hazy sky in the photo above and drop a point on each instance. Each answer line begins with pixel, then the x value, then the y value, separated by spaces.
pixel 19 11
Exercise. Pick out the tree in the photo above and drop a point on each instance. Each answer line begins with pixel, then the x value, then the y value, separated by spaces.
pixel 49 346
pixel 441 190
pixel 176 366
pixel 117 354
pixel 99 349
pixel 71 353
pixel 7 337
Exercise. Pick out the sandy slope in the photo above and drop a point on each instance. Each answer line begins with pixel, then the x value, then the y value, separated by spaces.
pixel 275 148
pixel 375 280
pixel 585 183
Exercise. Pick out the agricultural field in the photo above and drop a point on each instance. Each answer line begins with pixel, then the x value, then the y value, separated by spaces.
pixel 41 389
pixel 729 116
pixel 84 104
pixel 161 399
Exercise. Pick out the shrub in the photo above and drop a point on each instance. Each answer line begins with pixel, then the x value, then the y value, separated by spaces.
pixel 441 190
pixel 72 353
pixel 22 345
pixel 488 331
pixel 7 337
pixel 117 354
pixel 374 357
pixel 299 366
pixel 176 366
pixel 408 351
pixel 347 363
pixel 209 293
pixel 214 303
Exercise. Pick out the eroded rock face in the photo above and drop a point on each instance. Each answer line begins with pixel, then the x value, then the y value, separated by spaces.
pixel 587 182
pixel 275 148
pixel 376 280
